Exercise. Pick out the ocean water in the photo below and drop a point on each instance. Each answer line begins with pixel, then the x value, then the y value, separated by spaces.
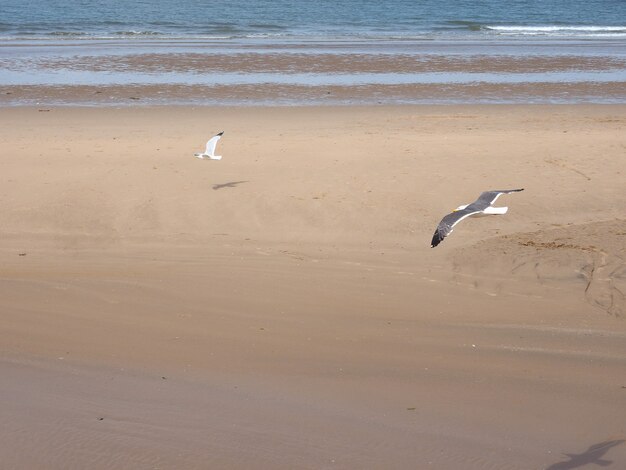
pixel 311 51
pixel 332 19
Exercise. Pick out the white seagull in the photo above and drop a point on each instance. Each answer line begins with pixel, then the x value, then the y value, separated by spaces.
pixel 209 153
pixel 480 207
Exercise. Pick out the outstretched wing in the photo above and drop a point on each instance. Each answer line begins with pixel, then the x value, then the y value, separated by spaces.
pixel 210 145
pixel 445 226
pixel 489 197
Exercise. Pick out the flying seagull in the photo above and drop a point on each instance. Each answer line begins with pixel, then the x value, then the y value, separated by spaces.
pixel 209 153
pixel 480 207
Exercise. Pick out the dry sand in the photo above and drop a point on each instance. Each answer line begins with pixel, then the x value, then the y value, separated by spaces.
pixel 282 308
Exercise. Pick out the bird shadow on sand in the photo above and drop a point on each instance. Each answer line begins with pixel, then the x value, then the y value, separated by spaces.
pixel 231 184
pixel 593 455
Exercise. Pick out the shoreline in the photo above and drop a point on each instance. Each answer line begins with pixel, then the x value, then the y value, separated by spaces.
pixel 266 73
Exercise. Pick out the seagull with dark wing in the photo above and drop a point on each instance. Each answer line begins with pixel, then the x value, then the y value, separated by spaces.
pixel 209 153
pixel 480 207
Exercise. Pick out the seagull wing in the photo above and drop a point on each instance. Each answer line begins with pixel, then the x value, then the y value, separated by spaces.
pixel 445 226
pixel 489 197
pixel 210 145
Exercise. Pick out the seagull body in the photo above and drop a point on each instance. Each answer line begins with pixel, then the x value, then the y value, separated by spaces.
pixel 209 153
pixel 479 208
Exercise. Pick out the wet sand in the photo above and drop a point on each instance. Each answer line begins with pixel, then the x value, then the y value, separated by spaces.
pixel 276 61
pixel 263 94
pixel 282 308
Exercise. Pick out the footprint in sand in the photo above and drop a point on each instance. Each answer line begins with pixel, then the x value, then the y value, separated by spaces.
pixel 601 289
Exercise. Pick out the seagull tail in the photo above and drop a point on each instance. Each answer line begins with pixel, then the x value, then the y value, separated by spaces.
pixel 496 210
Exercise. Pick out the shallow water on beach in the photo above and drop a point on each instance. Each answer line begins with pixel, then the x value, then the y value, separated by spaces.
pixel 90 77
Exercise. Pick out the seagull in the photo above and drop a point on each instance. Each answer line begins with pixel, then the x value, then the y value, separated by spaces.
pixel 480 207
pixel 209 153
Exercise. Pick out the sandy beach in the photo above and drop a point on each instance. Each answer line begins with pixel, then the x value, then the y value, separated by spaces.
pixel 282 308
